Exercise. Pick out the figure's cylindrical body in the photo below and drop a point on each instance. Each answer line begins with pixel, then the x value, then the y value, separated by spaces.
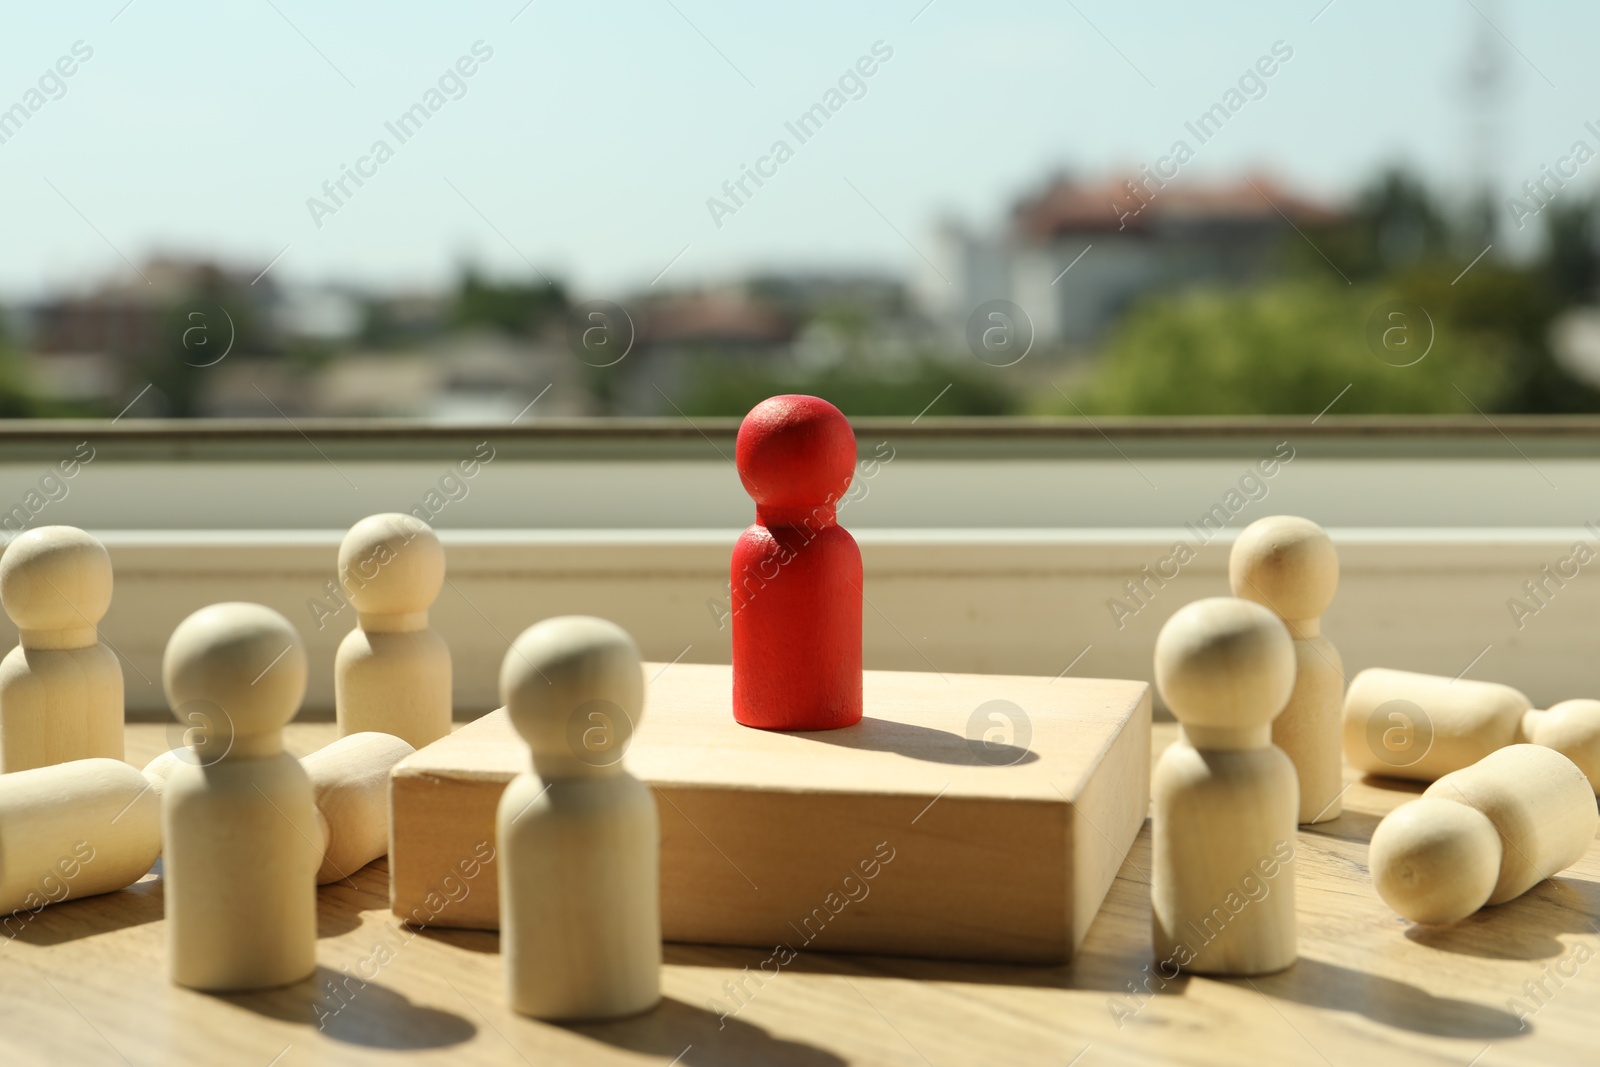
pixel 73 830
pixel 350 787
pixel 1223 846
pixel 393 681
pixel 60 704
pixel 580 915
pixel 1423 726
pixel 240 863
pixel 796 606
pixel 1308 729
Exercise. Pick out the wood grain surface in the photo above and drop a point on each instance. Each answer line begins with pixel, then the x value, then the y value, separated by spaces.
pixel 82 983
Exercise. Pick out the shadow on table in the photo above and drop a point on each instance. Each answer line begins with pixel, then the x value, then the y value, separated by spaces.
pixel 1387 1001
pixel 1353 826
pixel 865 966
pixel 922 743
pixel 357 1012
pixel 685 1034
pixel 340 903
pixel 1527 928
pixel 486 941
pixel 56 924
pixel 339 910
pixel 1394 785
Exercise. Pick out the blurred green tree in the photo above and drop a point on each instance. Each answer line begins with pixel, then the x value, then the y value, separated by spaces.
pixel 17 400
pixel 1572 259
pixel 1289 348
pixel 512 308
pixel 1397 224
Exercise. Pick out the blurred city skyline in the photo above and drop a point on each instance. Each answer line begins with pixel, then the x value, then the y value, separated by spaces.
pixel 611 148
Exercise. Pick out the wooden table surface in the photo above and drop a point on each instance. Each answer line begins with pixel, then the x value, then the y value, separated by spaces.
pixel 83 984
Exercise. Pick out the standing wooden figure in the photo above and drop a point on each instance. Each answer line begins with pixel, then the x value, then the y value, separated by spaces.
pixel 242 843
pixel 1290 566
pixel 579 840
pixel 392 672
pixel 796 573
pixel 1225 797
pixel 60 688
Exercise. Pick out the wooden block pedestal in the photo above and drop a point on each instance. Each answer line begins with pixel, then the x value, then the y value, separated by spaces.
pixel 966 817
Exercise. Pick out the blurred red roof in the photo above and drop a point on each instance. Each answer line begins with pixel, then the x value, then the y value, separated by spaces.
pixel 717 318
pixel 1067 206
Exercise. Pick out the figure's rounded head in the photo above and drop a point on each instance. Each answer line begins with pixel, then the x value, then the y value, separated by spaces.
pixel 1225 663
pixel 1287 564
pixel 1572 728
pixel 391 564
pixel 1435 860
pixel 574 689
pixel 55 578
pixel 245 660
pixel 795 452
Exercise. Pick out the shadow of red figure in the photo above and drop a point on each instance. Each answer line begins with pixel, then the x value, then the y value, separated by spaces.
pixel 796 573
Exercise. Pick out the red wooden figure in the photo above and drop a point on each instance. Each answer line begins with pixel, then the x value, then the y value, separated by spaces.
pixel 796 573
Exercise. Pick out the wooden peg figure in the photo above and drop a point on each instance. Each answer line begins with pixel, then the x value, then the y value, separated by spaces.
pixel 795 577
pixel 1224 796
pixel 1485 834
pixel 392 672
pixel 60 688
pixel 580 905
pixel 350 790
pixel 72 830
pixel 241 837
pixel 1424 726
pixel 1572 728
pixel 1289 566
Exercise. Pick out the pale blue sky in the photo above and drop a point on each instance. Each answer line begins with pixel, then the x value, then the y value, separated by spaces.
pixel 597 131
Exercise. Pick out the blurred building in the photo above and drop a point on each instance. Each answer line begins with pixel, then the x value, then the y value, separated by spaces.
pixel 102 343
pixel 730 321
pixel 473 376
pixel 682 336
pixel 1075 254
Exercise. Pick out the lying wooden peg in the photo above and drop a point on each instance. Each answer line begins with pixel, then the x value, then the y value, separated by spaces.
pixel 73 830
pixel 350 788
pixel 1483 835
pixel 1572 728
pixel 1423 726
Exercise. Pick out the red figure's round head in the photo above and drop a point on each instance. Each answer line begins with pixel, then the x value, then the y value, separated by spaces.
pixel 795 452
